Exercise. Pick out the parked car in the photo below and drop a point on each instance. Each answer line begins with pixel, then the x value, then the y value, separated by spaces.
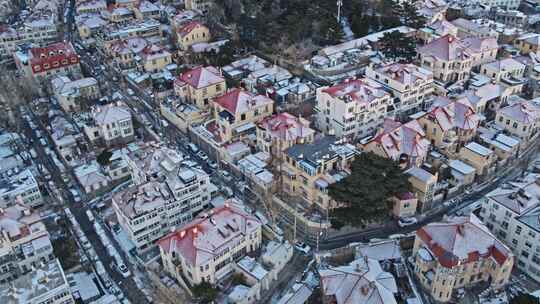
pixel 193 148
pixel 130 92
pixel 407 221
pixel 302 247
pixel 202 156
pixel 212 164
pixel 226 175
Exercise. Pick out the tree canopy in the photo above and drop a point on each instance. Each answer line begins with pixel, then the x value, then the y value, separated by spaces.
pixel 367 190
pixel 104 158
pixel 205 292
pixel 524 298
pixel 397 46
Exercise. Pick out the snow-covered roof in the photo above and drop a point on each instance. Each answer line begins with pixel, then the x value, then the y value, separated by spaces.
pixel 478 149
pixel 363 281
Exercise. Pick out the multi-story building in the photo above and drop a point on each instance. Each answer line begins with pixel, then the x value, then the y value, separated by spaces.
pixel 91 7
pixel 410 85
pixel 39 29
pixel 450 124
pixel 504 69
pixel 310 168
pixel 110 125
pixel 207 248
pixel 71 94
pixel 20 188
pixel 277 133
pixel 200 85
pixel 511 213
pixel 405 143
pixel 24 242
pixel 237 111
pixel 148 211
pixel 155 58
pixel 88 25
pixel 46 283
pixel 44 62
pixel 166 194
pixel 521 120
pixel 451 59
pixel 482 159
pixel 200 5
pixel 528 43
pixel 352 109
pixel 458 253
pixel 191 33
pixel 423 186
pixel 467 28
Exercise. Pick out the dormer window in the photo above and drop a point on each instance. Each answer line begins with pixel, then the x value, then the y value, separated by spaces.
pixel 51 53
pixel 64 61
pixel 55 64
pixel 46 66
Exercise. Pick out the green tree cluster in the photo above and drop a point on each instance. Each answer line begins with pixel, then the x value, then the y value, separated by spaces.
pixel 204 292
pixel 367 190
pixel 397 46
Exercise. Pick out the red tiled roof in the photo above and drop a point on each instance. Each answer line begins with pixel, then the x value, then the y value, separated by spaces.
pixel 53 56
pixel 200 77
pixel 464 239
pixel 229 100
pixel 188 27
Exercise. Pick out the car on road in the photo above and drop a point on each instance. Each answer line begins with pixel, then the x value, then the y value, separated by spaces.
pixel 130 92
pixel 193 148
pixel 407 221
pixel 212 164
pixel 202 156
pixel 226 175
pixel 43 142
pixel 227 191
pixel 90 215
pixel 302 247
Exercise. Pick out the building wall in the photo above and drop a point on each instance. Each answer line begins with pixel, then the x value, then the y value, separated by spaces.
pixel 199 34
pixel 481 163
pixel 201 97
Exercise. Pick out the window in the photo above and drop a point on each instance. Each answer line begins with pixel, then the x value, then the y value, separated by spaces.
pixel 518 230
pixel 243 116
pixel 525 254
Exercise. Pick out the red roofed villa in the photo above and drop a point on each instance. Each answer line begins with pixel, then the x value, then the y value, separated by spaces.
pixel 457 253
pixel 44 62
pixel 206 249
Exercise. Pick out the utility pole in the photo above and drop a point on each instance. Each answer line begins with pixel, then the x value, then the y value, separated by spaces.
pixel 339 5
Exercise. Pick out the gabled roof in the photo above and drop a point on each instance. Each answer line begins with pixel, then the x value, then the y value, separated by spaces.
pixel 359 90
pixel 240 101
pixel 399 139
pixel 524 112
pixel 109 114
pixel 454 114
pixel 200 77
pixel 205 237
pixel 445 48
pixel 363 281
pixel 285 126
pixel 462 240
pixel 187 28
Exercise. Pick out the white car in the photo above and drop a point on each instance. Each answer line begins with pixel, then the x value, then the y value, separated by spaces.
pixel 212 164
pixel 226 175
pixel 302 247
pixel 407 221
pixel 202 156
pixel 124 271
pixel 130 92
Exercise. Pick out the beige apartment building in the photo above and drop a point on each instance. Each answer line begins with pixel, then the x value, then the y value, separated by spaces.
pixel 353 109
pixel 279 132
pixel 450 124
pixel 199 86
pixel 237 111
pixel 451 59
pixel 410 85
pixel 512 215
pixel 110 125
pixel 423 185
pixel 504 69
pixel 38 29
pixel 207 249
pixel 521 120
pixel 528 43
pixel 191 33
pixel 310 168
pixel 155 58
pixel 459 253
pixel 482 159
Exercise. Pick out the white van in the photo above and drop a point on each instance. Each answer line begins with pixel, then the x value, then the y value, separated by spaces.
pixel 90 215
pixel 193 147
